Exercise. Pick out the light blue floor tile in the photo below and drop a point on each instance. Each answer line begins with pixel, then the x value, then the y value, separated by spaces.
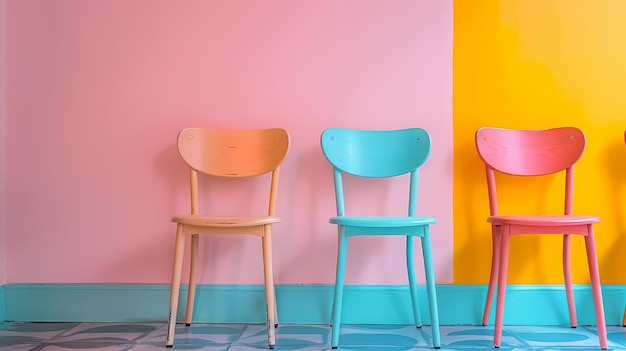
pixel 212 337
pixel 616 335
pixel 561 336
pixel 477 337
pixel 287 336
pixel 406 337
pixel 26 336
pixel 101 336
pixel 251 337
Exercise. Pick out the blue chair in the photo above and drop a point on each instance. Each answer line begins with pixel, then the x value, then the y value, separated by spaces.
pixel 381 154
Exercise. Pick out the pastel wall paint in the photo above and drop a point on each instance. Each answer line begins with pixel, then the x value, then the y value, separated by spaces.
pixel 3 276
pixel 97 91
pixel 537 64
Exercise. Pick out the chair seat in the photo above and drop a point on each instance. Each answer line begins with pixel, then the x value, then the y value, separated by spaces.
pixel 224 222
pixel 382 222
pixel 543 220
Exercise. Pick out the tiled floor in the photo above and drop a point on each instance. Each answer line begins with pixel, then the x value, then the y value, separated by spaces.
pixel 245 337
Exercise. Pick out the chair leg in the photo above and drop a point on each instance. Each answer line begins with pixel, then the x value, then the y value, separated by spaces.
pixel 493 277
pixel 430 286
pixel 191 294
pixel 410 267
pixel 339 279
pixel 596 288
pixel 275 308
pixel 567 274
pixel 624 320
pixel 175 288
pixel 502 275
pixel 270 294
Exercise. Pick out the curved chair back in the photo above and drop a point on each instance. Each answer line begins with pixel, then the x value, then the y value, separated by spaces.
pixel 233 153
pixel 376 153
pixel 530 152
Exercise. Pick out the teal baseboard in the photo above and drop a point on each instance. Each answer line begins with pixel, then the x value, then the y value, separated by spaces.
pixel 310 304
pixel 3 315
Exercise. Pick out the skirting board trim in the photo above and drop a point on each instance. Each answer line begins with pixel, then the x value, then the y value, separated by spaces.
pixel 305 304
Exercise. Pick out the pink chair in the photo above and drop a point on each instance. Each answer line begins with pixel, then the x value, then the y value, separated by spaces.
pixel 536 153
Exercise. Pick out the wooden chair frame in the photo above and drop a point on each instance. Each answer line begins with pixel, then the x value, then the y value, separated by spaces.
pixel 227 153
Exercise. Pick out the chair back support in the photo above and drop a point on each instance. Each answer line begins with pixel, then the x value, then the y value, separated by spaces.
pixel 375 154
pixel 530 153
pixel 233 153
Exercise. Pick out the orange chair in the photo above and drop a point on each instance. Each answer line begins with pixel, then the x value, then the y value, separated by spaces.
pixel 536 153
pixel 227 153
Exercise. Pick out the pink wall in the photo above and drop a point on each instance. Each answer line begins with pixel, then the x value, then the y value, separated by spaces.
pixel 3 252
pixel 97 91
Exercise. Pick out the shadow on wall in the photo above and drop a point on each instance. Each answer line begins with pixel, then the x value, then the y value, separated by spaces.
pixel 306 249
pixel 150 261
pixel 175 176
pixel 513 92
pixel 157 254
pixel 614 162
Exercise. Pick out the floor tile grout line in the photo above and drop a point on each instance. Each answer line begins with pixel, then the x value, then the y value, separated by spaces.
pixel 243 331
pixel 158 326
pixel 135 341
pixel 47 341
pixel 520 339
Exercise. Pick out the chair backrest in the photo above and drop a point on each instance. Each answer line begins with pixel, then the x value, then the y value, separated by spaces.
pixel 530 153
pixel 375 154
pixel 233 153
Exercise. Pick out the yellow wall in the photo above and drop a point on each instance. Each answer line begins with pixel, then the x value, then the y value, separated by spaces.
pixel 540 64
